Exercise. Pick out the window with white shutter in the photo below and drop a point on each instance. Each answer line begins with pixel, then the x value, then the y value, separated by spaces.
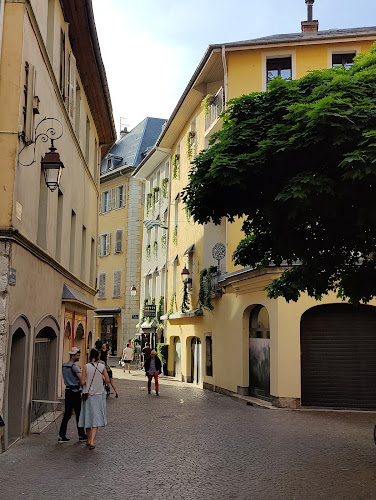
pixel 104 245
pixel 72 87
pixel 118 244
pixel 116 290
pixel 102 285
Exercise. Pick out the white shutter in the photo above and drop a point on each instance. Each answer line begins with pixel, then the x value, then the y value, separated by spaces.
pixel 116 198
pixel 122 201
pixel 108 244
pixel 102 286
pixel 118 243
pixel 72 87
pixel 110 199
pixel 116 290
pixel 101 203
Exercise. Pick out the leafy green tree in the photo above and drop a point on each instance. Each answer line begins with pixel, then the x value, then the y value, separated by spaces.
pixel 298 163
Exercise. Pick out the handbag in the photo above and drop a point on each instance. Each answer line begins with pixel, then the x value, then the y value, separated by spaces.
pixel 85 395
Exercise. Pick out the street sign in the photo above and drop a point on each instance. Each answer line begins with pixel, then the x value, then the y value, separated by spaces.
pixel 134 316
pixel 150 310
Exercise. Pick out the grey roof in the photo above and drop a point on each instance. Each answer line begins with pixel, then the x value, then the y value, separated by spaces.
pixel 293 37
pixel 71 295
pixel 132 147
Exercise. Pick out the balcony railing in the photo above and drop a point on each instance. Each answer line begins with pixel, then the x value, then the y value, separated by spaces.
pixel 215 109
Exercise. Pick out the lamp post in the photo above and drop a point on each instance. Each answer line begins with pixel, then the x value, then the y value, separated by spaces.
pixel 52 167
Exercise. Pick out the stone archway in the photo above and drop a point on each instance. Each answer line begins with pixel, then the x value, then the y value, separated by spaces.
pixel 177 358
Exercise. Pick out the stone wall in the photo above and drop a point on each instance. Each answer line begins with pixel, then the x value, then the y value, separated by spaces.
pixel 4 299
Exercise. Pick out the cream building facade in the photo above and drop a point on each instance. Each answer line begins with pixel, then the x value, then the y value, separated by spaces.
pixel 291 354
pixel 121 210
pixel 50 67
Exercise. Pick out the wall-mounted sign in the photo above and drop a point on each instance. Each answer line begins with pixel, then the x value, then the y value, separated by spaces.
pixel 12 277
pixel 150 310
pixel 134 316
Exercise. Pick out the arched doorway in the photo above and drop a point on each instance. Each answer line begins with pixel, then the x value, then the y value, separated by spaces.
pixel 67 336
pixel 338 356
pixel 79 338
pixel 109 328
pixel 259 352
pixel 196 371
pixel 177 358
pixel 45 367
pixel 16 381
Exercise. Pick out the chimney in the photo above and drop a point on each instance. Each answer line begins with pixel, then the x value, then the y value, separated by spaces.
pixel 123 132
pixel 310 26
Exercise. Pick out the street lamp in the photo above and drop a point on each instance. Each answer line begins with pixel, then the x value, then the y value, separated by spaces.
pixel 185 274
pixel 52 167
pixel 133 291
pixel 51 164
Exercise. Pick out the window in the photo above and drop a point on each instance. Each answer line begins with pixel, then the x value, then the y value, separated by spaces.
pixel 216 107
pixel 102 285
pixel 71 103
pixel 120 196
pixel 31 103
pixel 345 60
pixel 59 225
pixel 83 253
pixel 118 243
pixel 104 244
pixel 72 241
pixel 116 289
pixel 87 140
pixel 209 356
pixel 42 212
pixel 62 64
pixel 105 202
pixel 92 257
pixel 279 66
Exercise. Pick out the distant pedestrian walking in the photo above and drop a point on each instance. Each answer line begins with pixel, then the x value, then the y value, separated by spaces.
pixel 93 409
pixel 127 357
pixel 105 353
pixel 72 379
pixel 146 353
pixel 153 367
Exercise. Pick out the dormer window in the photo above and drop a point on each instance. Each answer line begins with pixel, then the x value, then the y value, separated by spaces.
pixel 345 60
pixel 109 163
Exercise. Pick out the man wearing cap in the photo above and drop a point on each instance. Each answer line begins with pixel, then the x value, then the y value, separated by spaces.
pixel 72 378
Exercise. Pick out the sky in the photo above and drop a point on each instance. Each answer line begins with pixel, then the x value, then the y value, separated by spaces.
pixel 151 48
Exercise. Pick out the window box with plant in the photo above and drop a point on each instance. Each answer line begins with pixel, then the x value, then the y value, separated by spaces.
pixel 148 252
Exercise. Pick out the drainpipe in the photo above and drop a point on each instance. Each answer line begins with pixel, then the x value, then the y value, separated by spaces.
pixel 225 76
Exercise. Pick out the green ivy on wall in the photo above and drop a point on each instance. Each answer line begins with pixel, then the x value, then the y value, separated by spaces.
pixel 155 249
pixel 185 301
pixel 164 184
pixel 148 252
pixel 172 303
pixel 175 165
pixel 160 309
pixel 205 104
pixel 175 235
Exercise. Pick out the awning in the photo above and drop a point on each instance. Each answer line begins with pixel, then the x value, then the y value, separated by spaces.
pixel 149 325
pixel 74 296
pixel 189 249
pixel 172 261
pixel 107 312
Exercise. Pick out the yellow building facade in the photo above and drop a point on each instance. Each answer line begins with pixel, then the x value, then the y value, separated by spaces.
pixel 249 344
pixel 50 88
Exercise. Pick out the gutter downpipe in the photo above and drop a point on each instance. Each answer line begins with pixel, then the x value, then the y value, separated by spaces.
pixel 225 83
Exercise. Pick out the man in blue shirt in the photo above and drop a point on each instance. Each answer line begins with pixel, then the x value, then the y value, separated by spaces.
pixel 72 378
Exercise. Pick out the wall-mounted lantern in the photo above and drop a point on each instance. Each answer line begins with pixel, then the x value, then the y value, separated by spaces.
pixel 133 291
pixel 51 164
pixel 184 274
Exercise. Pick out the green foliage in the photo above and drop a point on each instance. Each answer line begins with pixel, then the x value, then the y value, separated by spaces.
pixel 162 352
pixel 160 309
pixel 149 198
pixel 164 184
pixel 172 304
pixel 190 136
pixel 155 249
pixel 205 104
pixel 163 241
pixel 185 301
pixel 205 292
pixel 146 301
pixel 175 165
pixel 154 196
pixel 148 252
pixel 175 235
pixel 298 163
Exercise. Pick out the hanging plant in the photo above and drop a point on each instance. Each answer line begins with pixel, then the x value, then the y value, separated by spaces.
pixel 160 309
pixel 175 165
pixel 148 202
pixel 187 213
pixel 155 196
pixel 148 251
pixel 146 301
pixel 164 187
pixel 190 136
pixel 205 104
pixel 172 303
pixel 163 241
pixel 205 292
pixel 155 249
pixel 185 302
pixel 175 235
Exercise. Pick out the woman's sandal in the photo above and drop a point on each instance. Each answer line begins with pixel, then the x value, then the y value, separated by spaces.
pixel 91 447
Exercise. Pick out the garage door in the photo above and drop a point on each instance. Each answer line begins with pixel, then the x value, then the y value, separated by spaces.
pixel 338 356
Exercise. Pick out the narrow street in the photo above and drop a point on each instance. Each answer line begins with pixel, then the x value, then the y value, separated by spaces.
pixel 194 444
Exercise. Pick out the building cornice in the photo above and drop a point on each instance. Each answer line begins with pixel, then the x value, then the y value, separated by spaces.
pixel 11 234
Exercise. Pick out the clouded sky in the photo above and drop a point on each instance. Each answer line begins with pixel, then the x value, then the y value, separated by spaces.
pixel 151 48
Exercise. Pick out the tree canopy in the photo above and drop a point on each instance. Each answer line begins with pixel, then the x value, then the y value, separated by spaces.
pixel 298 163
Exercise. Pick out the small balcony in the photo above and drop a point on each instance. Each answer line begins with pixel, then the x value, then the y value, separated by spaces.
pixel 217 105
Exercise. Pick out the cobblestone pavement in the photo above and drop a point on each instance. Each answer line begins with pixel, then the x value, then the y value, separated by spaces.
pixel 197 445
